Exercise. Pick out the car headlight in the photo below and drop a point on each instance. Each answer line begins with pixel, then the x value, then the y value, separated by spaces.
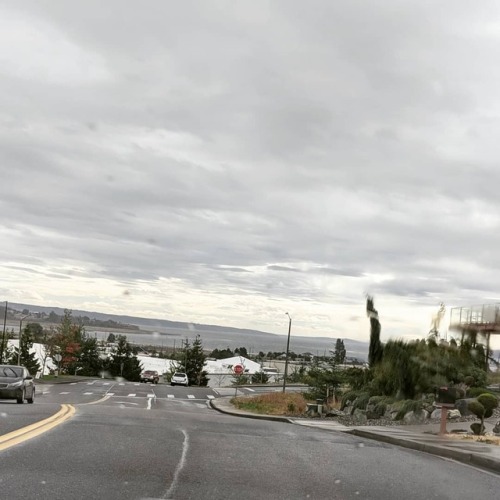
pixel 16 384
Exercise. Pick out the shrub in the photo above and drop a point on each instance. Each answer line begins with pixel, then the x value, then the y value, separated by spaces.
pixel 476 428
pixel 474 392
pixel 405 406
pixel 477 408
pixel 348 397
pixel 361 401
pixel 489 402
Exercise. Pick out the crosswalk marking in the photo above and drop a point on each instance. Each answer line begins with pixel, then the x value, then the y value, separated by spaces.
pixel 105 383
pixel 64 393
pixel 88 393
pixel 137 384
pixel 132 395
pixel 170 396
pixel 110 394
pixel 190 396
pixel 73 383
pixel 121 383
pixel 210 396
pixel 150 396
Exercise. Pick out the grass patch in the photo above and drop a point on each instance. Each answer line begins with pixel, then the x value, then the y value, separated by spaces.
pixel 275 403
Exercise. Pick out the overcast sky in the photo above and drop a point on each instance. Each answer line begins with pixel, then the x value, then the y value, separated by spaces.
pixel 226 162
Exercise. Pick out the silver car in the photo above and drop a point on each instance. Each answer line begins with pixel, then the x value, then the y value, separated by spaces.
pixel 16 383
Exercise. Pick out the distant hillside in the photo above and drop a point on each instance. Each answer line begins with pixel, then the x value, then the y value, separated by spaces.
pixel 158 331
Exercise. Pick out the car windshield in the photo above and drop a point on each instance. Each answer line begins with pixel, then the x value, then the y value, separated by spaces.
pixel 296 201
pixel 10 372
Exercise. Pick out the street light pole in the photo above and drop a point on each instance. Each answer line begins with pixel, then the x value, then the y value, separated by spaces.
pixel 287 351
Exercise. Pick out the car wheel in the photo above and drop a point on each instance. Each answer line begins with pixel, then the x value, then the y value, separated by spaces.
pixel 20 400
pixel 32 399
pixel 172 384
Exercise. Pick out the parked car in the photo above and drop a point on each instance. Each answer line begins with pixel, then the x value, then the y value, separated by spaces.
pixel 179 378
pixel 150 376
pixel 16 383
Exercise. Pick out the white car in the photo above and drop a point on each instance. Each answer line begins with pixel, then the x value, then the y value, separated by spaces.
pixel 179 378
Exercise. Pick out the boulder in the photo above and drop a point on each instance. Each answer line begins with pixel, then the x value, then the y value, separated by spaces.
pixel 359 417
pixel 454 414
pixel 496 429
pixel 436 413
pixel 416 417
pixel 461 406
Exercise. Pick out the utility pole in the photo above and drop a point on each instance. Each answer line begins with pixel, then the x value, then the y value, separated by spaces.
pixel 287 351
pixel 3 335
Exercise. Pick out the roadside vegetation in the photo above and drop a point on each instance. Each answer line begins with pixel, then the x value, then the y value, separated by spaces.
pixel 276 403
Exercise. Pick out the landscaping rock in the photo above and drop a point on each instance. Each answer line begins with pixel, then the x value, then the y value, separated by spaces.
pixel 359 417
pixel 496 429
pixel 416 417
pixel 453 414
pixel 436 413
pixel 461 406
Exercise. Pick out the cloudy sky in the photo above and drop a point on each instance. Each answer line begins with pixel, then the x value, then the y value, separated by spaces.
pixel 225 162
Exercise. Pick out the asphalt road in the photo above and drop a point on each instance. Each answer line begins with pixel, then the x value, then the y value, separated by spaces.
pixel 127 444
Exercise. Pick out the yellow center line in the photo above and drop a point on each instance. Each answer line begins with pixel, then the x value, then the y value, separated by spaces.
pixel 30 431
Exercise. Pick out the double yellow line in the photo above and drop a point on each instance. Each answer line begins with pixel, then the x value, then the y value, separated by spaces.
pixel 33 430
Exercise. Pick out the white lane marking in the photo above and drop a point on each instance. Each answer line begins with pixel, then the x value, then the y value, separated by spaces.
pixel 190 396
pixel 150 396
pixel 149 403
pixel 110 394
pixel 121 383
pixel 251 390
pixel 170 396
pixel 131 395
pixel 180 465
pixel 216 392
pixel 88 393
pixel 137 384
pixel 105 383
pixel 64 393
pixel 126 403
pixel 73 383
pixel 90 383
pixel 210 396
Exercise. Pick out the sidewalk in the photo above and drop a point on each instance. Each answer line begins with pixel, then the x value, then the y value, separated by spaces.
pixel 416 437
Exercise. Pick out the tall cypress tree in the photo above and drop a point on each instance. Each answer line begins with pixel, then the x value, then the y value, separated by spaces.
pixel 376 349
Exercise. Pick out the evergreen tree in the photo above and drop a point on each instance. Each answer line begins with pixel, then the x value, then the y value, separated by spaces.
pixel 340 352
pixel 25 357
pixel 89 362
pixel 260 378
pixel 195 361
pixel 376 349
pixel 124 362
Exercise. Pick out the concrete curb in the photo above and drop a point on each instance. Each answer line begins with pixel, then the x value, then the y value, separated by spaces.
pixel 256 416
pixel 465 457
pixel 460 456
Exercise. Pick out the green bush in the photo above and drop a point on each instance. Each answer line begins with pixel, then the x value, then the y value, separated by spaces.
pixel 476 428
pixel 348 397
pixel 474 392
pixel 477 408
pixel 489 402
pixel 361 401
pixel 405 406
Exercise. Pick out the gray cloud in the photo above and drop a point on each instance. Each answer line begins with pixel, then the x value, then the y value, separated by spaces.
pixel 277 150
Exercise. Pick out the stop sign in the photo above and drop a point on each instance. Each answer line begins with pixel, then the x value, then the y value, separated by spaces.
pixel 238 369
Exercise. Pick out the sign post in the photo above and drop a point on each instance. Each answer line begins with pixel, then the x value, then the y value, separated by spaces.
pixel 238 370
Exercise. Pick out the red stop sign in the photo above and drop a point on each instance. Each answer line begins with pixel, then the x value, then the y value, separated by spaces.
pixel 238 369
